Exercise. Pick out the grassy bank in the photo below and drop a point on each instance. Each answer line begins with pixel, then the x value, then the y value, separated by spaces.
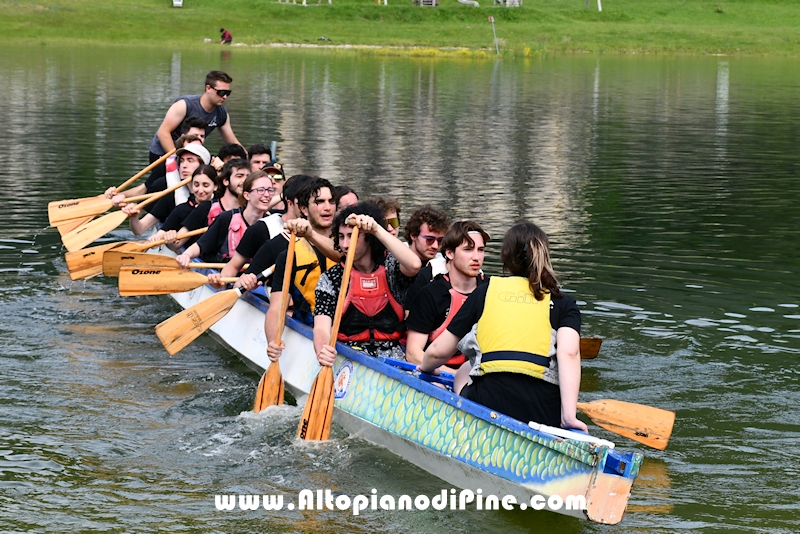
pixel 739 27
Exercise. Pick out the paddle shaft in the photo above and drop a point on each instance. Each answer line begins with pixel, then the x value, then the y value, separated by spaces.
pixel 156 163
pixel 287 274
pixel 160 194
pixel 179 236
pixel 348 267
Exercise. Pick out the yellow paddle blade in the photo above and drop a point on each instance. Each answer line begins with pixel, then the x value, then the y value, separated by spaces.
pixel 270 388
pixel 67 226
pixel 113 260
pixel 318 412
pixel 62 210
pixel 645 424
pixel 137 281
pixel 178 331
pixel 87 262
pixel 590 347
pixel 83 235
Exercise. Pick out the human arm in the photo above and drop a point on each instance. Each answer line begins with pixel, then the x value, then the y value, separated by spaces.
pixel 230 270
pixel 323 326
pixel 302 228
pixel 274 350
pixel 568 342
pixel 188 255
pixel 226 131
pixel 438 352
pixel 172 121
pixel 410 263
pixel 415 346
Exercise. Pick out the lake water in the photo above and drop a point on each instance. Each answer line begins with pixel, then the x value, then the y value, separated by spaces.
pixel 668 187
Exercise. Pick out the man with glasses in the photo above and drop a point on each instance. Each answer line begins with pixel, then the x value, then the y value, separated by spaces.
pixel 424 233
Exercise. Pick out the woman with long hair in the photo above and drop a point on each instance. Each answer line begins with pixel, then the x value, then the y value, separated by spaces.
pixel 522 338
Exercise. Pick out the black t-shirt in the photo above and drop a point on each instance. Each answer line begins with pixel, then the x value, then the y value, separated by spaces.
pixel 211 242
pixel 198 218
pixel 175 219
pixel 253 239
pixel 563 312
pixel 424 277
pixel 156 183
pixel 163 207
pixel 267 255
pixel 432 305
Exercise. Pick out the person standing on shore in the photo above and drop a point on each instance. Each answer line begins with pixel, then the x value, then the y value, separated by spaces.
pixel 226 37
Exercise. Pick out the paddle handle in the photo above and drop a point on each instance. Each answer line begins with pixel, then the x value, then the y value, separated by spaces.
pixel 348 266
pixel 229 279
pixel 179 236
pixel 161 194
pixel 156 163
pixel 200 265
pixel 139 197
pixel 287 273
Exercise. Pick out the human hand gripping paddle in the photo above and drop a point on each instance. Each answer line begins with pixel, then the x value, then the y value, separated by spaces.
pixel 90 261
pixel 61 211
pixel 318 412
pixel 82 236
pixel 270 387
pixel 178 331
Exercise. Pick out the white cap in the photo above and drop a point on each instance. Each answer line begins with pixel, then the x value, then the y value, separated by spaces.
pixel 196 149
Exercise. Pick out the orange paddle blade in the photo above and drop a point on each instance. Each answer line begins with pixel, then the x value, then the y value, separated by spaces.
pixel 178 331
pixel 89 232
pixel 270 388
pixel 645 424
pixel 318 412
pixel 590 347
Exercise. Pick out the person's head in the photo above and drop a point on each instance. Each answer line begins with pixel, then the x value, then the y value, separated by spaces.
pixel 260 156
pixel 526 253
pixel 191 156
pixel 257 191
pixel 345 197
pixel 391 212
pixel 233 175
pixel 317 203
pixel 221 30
pixel 194 126
pixel 425 230
pixel 276 172
pixel 367 243
pixel 218 87
pixel 292 189
pixel 205 183
pixel 464 247
pixel 230 151
pixel 185 139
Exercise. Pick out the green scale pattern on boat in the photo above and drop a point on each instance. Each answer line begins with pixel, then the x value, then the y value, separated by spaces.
pixel 521 457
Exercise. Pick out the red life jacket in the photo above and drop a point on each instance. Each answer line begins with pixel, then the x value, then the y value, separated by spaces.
pixel 370 310
pixel 235 233
pixel 456 301
pixel 214 211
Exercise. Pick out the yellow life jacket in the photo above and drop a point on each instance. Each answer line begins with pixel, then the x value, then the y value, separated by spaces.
pixel 514 331
pixel 308 270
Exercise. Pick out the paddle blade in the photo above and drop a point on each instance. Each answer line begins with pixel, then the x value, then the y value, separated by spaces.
pixel 590 347
pixel 645 424
pixel 87 262
pixel 67 226
pixel 60 211
pixel 83 235
pixel 114 260
pixel 318 413
pixel 270 388
pixel 137 281
pixel 177 332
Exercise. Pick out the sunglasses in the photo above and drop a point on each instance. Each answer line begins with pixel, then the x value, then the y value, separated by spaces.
pixel 261 190
pixel 394 222
pixel 222 92
pixel 277 177
pixel 429 239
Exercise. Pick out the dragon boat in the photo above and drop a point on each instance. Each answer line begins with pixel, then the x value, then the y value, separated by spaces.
pixel 459 441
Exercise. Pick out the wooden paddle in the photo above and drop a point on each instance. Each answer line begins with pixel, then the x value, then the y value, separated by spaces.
pixel 89 262
pixel 67 226
pixel 115 259
pixel 270 387
pixel 645 424
pixel 138 281
pixel 62 210
pixel 86 207
pixel 179 330
pixel 318 412
pixel 82 236
pixel 590 347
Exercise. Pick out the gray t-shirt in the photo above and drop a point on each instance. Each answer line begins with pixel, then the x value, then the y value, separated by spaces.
pixel 215 118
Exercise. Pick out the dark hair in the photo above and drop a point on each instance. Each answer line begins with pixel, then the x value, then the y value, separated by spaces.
pixel 387 205
pixel 436 219
pixel 227 170
pixel 458 233
pixel 193 122
pixel 185 139
pixel 342 190
pixel 231 149
pixel 217 76
pixel 293 186
pixel 526 253
pixel 222 29
pixel 312 189
pixel 248 184
pixel 211 172
pixel 258 149
pixel 378 250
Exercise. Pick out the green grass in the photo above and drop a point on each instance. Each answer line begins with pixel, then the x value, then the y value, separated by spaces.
pixel 738 27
